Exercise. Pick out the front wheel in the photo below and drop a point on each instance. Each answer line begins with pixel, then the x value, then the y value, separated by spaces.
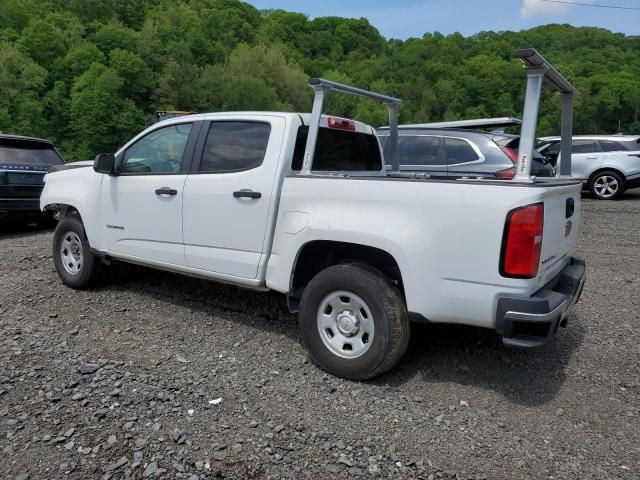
pixel 354 322
pixel 607 185
pixel 76 265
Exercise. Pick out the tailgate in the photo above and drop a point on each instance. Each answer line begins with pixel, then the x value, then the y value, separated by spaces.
pixel 562 212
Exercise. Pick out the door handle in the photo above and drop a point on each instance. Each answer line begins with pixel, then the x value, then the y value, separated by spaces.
pixel 166 191
pixel 247 194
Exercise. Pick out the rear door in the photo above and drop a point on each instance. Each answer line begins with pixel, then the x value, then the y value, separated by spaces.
pixel 142 205
pixel 228 195
pixel 585 158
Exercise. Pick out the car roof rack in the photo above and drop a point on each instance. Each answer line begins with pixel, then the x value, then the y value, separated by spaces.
pixel 478 123
pixel 539 70
pixel 320 87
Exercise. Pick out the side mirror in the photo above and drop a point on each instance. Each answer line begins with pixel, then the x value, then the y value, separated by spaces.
pixel 105 163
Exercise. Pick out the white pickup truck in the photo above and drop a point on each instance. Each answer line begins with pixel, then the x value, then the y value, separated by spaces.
pixel 302 204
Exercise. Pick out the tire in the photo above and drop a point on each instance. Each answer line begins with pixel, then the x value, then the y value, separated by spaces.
pixel 76 265
pixel 355 305
pixel 606 185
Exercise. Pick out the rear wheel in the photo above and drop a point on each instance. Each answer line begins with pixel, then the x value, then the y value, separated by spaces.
pixel 606 185
pixel 354 322
pixel 76 265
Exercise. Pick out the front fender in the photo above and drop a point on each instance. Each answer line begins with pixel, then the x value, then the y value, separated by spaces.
pixel 78 188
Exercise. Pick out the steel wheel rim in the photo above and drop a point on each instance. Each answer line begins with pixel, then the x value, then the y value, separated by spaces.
pixel 71 253
pixel 345 324
pixel 606 186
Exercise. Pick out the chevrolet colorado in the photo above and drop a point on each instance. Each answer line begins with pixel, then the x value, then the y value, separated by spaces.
pixel 302 204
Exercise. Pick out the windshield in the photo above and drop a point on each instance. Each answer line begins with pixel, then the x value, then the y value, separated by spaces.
pixel 30 154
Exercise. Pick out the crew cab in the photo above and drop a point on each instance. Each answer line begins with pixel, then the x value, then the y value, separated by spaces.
pixel 302 204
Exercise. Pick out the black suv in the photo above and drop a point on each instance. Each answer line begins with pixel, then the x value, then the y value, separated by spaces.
pixel 23 163
pixel 451 152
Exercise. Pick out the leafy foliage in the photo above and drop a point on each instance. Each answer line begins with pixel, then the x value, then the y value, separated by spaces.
pixel 85 73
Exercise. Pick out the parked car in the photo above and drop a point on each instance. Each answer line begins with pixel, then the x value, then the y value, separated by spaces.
pixel 607 164
pixel 460 152
pixel 268 201
pixel 23 163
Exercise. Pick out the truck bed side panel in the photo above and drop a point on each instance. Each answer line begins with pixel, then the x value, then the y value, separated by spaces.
pixel 445 236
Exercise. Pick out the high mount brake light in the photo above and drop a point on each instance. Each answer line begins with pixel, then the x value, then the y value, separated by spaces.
pixel 522 242
pixel 341 124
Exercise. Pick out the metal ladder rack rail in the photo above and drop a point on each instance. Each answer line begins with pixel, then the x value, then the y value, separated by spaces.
pixel 320 87
pixel 539 70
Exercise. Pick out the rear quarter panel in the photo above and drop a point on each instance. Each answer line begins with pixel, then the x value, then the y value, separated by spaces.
pixel 622 162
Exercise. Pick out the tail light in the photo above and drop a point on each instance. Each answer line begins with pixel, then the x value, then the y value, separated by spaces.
pixel 510 172
pixel 507 173
pixel 341 124
pixel 512 153
pixel 522 242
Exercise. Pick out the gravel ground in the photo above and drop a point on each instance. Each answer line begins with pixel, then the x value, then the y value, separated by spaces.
pixel 160 376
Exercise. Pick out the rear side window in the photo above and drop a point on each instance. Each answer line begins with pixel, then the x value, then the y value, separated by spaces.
pixel 459 151
pixel 618 146
pixel 339 150
pixel 28 154
pixel 584 146
pixel 416 150
pixel 235 146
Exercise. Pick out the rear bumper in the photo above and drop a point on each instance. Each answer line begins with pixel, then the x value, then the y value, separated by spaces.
pixel 632 181
pixel 529 323
pixel 22 205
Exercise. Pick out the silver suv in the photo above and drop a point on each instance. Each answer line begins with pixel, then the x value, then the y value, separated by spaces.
pixel 607 164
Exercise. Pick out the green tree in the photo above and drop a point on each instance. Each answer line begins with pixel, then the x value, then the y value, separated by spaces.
pixel 22 83
pixel 101 119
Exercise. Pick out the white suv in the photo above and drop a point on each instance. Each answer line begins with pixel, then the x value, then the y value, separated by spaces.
pixel 607 164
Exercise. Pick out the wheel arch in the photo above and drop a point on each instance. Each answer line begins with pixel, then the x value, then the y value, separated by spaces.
pixel 606 169
pixel 63 209
pixel 316 255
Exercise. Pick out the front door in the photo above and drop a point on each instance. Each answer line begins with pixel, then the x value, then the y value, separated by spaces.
pixel 229 196
pixel 142 205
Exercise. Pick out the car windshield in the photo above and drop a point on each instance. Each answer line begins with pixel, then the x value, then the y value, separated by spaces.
pixel 29 154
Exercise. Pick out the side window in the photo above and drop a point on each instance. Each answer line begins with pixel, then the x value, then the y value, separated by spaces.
pixel 633 145
pixel 419 150
pixel 553 149
pixel 160 151
pixel 235 146
pixel 584 146
pixel 459 151
pixel 612 146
